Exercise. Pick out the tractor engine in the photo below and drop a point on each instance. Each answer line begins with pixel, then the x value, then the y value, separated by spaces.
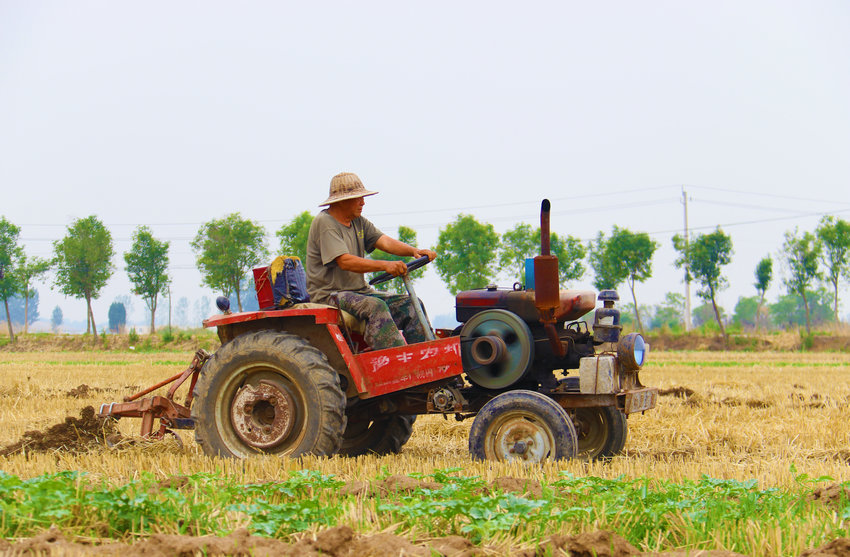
pixel 521 336
pixel 504 341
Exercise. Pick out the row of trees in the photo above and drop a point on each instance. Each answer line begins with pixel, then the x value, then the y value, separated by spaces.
pixel 471 255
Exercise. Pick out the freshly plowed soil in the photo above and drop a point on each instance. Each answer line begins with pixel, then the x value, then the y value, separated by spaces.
pixel 74 434
pixel 342 541
pixel 83 391
pixel 681 392
pixel 833 494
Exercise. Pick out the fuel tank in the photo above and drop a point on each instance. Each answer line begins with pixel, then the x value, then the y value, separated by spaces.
pixel 573 303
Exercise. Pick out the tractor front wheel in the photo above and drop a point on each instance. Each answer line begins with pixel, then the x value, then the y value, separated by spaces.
pixel 268 392
pixel 523 426
pixel 381 436
pixel 601 432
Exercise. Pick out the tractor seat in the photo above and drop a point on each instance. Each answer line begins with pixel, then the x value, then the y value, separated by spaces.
pixel 352 324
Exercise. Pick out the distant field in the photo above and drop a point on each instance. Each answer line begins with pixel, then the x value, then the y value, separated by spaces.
pixel 779 418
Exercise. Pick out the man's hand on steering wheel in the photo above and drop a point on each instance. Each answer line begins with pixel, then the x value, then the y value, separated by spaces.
pixel 395 268
pixel 417 253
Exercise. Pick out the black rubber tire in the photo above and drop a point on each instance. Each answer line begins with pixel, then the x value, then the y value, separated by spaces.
pixel 526 417
pixel 386 435
pixel 602 432
pixel 608 427
pixel 288 360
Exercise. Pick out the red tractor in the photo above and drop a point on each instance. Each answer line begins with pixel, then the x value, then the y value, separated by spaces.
pixel 302 381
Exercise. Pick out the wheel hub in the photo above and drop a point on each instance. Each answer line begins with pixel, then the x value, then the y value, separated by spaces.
pixel 521 439
pixel 263 414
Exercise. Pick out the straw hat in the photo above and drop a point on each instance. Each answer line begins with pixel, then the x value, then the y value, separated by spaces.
pixel 346 185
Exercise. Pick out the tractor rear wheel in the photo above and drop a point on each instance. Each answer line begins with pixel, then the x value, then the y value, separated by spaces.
pixel 268 392
pixel 381 436
pixel 601 432
pixel 523 426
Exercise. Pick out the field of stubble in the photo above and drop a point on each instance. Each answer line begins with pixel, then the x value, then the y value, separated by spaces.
pixel 774 417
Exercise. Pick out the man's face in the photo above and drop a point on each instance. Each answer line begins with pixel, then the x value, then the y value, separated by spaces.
pixel 352 208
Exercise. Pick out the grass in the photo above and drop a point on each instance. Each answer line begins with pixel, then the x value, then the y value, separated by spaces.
pixel 730 466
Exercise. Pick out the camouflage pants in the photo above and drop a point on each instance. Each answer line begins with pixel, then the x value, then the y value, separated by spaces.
pixel 384 315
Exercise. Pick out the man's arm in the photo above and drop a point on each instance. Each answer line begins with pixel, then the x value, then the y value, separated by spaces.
pixel 395 247
pixel 348 262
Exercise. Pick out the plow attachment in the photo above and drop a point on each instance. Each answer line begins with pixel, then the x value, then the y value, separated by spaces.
pixel 171 414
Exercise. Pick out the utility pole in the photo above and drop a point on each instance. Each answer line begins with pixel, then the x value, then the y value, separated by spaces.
pixel 687 274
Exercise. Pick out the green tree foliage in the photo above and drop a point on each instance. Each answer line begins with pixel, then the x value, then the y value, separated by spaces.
pixel 10 254
pixel 293 236
pixel 147 267
pixel 84 262
pixel 669 313
pixel 834 236
pixel 746 311
pixel 624 256
pixel 408 236
pixel 791 310
pixel 29 270
pixel 117 317
pixel 704 316
pixel 764 274
pixel 801 258
pixel 702 258
pixel 522 242
pixel 466 251
pixel 226 250
pixel 56 319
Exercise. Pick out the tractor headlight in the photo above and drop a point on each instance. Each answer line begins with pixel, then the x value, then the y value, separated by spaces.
pixel 631 351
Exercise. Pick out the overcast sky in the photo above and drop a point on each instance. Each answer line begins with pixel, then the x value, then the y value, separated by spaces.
pixel 170 114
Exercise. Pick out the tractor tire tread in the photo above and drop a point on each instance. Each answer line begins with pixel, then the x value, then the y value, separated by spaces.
pixel 325 381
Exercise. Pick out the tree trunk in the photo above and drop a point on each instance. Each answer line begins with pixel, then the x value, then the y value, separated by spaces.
pixel 835 299
pixel 26 310
pixel 238 300
pixel 758 313
pixel 806 305
pixel 717 316
pixel 9 321
pixel 91 315
pixel 88 315
pixel 153 315
pixel 637 313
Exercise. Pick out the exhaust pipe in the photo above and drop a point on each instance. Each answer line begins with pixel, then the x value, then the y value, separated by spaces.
pixel 547 292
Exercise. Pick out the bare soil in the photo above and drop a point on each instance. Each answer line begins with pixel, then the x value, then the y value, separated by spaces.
pixel 833 494
pixel 342 541
pixel 76 435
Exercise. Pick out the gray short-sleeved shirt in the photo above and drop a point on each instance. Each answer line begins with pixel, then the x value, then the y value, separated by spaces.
pixel 329 239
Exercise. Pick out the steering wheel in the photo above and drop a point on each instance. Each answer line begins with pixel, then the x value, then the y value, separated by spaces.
pixel 411 266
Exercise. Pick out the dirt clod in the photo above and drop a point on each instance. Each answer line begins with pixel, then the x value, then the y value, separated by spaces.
pixel 74 434
pixel 839 547
pixel 518 485
pixel 82 391
pixel 681 392
pixel 832 494
pixel 402 484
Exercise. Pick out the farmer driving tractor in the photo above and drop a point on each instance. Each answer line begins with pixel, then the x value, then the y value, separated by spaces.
pixel 339 239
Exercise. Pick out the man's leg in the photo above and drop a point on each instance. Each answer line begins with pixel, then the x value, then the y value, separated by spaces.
pixel 381 330
pixel 403 313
